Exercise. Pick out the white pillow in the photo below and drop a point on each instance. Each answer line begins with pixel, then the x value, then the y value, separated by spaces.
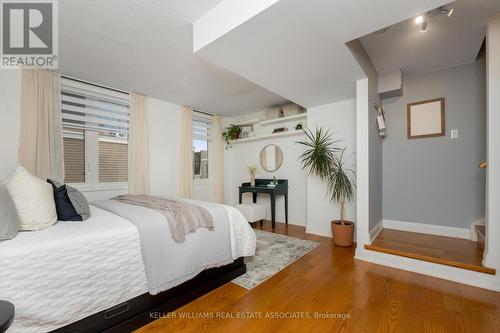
pixel 33 198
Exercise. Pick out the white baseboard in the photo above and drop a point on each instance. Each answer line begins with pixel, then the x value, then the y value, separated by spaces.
pixel 317 232
pixel 323 233
pixel 430 229
pixel 376 230
pixel 473 233
pixel 481 280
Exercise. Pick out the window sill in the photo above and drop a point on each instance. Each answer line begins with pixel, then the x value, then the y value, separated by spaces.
pixel 202 181
pixel 100 187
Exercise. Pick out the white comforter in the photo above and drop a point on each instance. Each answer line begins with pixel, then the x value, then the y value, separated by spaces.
pixel 72 270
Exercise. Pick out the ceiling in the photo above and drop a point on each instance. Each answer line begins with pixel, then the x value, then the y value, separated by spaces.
pixel 285 51
pixel 298 51
pixel 448 41
pixel 147 47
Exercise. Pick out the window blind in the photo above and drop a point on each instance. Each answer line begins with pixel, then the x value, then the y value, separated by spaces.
pixel 113 161
pixel 74 160
pixel 85 106
pixel 202 126
pixel 95 132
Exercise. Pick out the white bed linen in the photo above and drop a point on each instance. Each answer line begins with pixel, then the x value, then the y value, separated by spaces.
pixel 72 270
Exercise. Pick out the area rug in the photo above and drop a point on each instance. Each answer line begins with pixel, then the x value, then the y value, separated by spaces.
pixel 274 252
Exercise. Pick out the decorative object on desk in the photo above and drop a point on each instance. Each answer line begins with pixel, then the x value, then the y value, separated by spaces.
pixel 252 169
pixel 232 133
pixel 298 127
pixel 381 121
pixel 426 119
pixel 280 130
pixel 271 158
pixel 326 160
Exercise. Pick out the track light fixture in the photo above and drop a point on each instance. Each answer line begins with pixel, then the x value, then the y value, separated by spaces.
pixel 422 21
pixel 445 11
pixel 423 27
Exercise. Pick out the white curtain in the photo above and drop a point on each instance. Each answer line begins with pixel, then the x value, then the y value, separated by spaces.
pixel 40 139
pixel 186 154
pixel 217 160
pixel 138 146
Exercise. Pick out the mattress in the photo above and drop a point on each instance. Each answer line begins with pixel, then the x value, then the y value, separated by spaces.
pixel 72 270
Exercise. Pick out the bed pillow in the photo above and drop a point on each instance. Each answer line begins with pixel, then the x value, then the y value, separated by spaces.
pixel 64 207
pixel 9 220
pixel 78 200
pixel 33 199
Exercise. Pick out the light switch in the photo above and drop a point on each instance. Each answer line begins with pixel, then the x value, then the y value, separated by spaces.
pixel 454 133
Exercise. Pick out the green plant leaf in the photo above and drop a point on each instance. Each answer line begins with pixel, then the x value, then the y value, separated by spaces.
pixel 340 180
pixel 319 153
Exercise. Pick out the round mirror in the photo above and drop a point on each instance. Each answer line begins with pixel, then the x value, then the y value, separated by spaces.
pixel 271 158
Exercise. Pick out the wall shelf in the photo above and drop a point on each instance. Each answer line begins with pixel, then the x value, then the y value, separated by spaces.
pixel 247 122
pixel 269 136
pixel 284 119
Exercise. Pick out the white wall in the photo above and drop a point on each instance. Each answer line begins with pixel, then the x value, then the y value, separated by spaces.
pixel 492 252
pixel 370 171
pixel 164 137
pixel 164 143
pixel 340 119
pixel 10 110
pixel 241 155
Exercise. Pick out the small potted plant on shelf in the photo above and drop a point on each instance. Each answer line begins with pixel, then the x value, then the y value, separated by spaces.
pixel 232 133
pixel 326 160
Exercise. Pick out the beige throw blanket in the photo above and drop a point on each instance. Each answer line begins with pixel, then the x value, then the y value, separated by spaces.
pixel 183 217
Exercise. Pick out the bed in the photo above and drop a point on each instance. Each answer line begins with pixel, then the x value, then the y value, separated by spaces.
pixel 60 276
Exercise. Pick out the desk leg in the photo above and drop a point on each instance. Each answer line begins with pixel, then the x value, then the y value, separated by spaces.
pixel 273 210
pixel 254 194
pixel 286 208
pixel 240 197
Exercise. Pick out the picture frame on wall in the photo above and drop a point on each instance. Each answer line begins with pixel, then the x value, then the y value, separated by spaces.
pixel 426 119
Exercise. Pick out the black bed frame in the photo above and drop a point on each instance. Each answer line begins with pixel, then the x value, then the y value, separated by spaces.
pixel 139 311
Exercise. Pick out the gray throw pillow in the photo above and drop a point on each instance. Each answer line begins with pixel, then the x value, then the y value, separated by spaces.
pixel 77 199
pixel 79 202
pixel 9 220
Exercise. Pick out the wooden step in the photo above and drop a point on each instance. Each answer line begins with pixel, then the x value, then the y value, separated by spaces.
pixel 460 253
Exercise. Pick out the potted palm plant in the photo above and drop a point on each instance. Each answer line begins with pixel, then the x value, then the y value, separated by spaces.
pixel 340 187
pixel 323 158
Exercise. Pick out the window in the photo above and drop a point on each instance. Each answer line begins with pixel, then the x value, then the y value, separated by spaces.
pixel 202 124
pixel 95 135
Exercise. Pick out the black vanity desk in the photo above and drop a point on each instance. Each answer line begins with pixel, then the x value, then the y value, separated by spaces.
pixel 261 187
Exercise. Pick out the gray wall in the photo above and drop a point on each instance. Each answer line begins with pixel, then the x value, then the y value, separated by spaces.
pixel 437 180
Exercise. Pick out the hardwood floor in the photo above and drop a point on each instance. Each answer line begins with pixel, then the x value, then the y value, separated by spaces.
pixel 456 252
pixel 329 281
